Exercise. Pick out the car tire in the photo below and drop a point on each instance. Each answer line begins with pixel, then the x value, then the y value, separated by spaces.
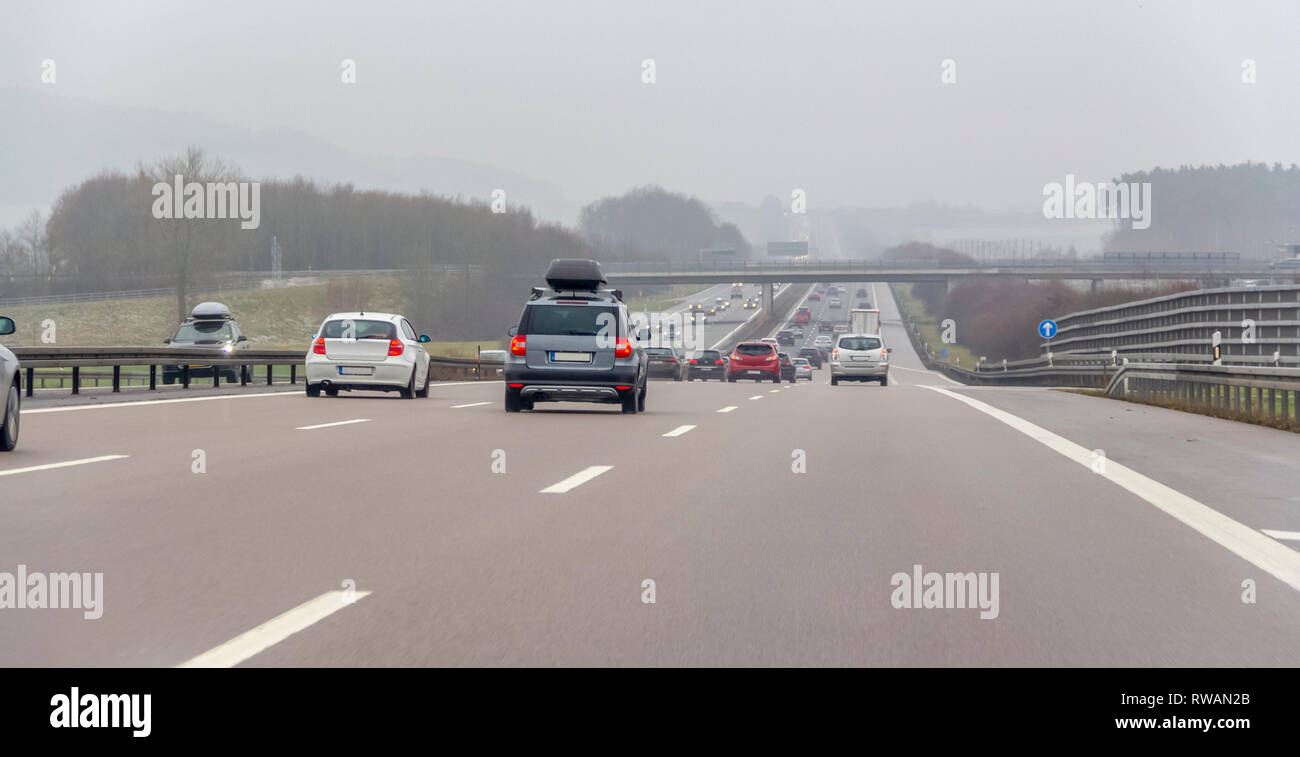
pixel 884 381
pixel 776 379
pixel 313 390
pixel 9 419
pixel 730 379
pixel 424 392
pixel 629 404
pixel 640 400
pixel 514 403
pixel 408 392
pixel 835 381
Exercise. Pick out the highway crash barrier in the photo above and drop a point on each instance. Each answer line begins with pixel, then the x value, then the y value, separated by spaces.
pixel 128 366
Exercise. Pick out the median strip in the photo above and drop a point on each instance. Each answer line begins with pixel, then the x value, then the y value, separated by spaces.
pixel 576 480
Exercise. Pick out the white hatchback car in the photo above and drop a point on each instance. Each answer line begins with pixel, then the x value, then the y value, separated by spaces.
pixel 374 351
pixel 860 357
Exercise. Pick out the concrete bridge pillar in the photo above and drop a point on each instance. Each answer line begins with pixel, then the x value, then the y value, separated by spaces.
pixel 768 300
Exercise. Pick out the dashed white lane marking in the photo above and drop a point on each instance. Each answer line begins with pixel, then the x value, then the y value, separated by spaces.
pixel 773 391
pixel 471 404
pixel 1286 535
pixel 1265 553
pixel 275 630
pixel 335 423
pixel 66 464
pixel 757 397
pixel 726 409
pixel 577 479
pixel 679 431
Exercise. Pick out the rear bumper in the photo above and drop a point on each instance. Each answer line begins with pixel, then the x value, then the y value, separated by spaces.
pixel 572 386
pixel 850 371
pixel 766 374
pixel 714 371
pixel 321 371
pixel 657 370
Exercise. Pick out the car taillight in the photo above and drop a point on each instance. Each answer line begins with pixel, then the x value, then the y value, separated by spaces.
pixel 516 386
pixel 673 360
pixel 395 347
pixel 519 345
pixel 318 346
pixel 623 348
pixel 835 355
pixel 622 388
pixel 693 361
pixel 719 362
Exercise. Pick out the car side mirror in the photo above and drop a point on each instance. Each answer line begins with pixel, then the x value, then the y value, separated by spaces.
pixel 7 325
pixel 889 349
pixel 242 338
pixel 168 340
pixel 424 339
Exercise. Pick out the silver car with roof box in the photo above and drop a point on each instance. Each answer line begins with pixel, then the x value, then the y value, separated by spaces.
pixel 574 343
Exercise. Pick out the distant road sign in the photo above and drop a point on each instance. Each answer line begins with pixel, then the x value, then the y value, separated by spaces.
pixel 787 249
pixel 1047 328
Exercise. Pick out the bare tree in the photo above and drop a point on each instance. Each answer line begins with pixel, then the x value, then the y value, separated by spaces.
pixel 188 246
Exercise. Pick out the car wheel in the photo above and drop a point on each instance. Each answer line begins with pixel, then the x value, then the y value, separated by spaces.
pixel 776 379
pixel 425 391
pixel 9 421
pixel 884 381
pixel 629 404
pixel 732 380
pixel 835 381
pixel 313 390
pixel 514 403
pixel 640 400
pixel 408 392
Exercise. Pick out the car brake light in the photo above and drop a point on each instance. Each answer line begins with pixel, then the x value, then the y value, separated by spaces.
pixel 318 347
pixel 519 345
pixel 395 347
pixel 516 386
pixel 719 362
pixel 622 347
pixel 693 361
pixel 673 360
pixel 622 388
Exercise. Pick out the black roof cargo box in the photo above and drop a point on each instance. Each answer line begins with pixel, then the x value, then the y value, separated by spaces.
pixel 575 274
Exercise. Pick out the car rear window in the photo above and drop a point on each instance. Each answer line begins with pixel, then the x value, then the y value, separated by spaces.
pixel 859 343
pixel 753 350
pixel 800 361
pixel 361 329
pixel 708 355
pixel 569 320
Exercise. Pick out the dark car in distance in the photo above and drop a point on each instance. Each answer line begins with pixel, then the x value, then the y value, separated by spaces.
pixel 812 355
pixel 665 362
pixel 707 364
pixel 787 367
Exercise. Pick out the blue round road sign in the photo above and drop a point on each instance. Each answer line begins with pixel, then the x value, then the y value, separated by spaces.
pixel 1047 328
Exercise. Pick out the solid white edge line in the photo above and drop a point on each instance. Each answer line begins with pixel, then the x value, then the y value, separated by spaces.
pixel 65 464
pixel 335 423
pixel 576 480
pixel 1287 535
pixel 274 630
pixel 679 430
pixel 1280 561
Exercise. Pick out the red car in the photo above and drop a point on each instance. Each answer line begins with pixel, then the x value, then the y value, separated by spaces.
pixel 814 296
pixel 803 315
pixel 754 360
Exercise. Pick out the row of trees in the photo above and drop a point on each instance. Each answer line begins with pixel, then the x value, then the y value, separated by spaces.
pixel 1249 208
pixel 997 317
pixel 652 222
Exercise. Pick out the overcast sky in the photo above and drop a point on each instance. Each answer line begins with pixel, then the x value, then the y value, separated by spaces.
pixel 843 100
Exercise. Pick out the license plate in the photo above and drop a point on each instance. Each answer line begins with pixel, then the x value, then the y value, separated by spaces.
pixel 348 370
pixel 756 373
pixel 706 369
pixel 862 359
pixel 570 357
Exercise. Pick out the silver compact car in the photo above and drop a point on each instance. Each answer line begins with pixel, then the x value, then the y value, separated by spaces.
pixel 371 351
pixel 860 357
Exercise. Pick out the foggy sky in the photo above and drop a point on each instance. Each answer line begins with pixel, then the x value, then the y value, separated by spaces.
pixel 843 99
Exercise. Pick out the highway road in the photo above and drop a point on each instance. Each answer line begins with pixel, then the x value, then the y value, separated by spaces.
pixel 369 530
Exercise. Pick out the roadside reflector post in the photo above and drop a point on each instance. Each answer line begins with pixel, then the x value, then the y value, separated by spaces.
pixel 185 375
pixel 153 377
pixel 216 377
pixel 76 379
pixel 270 369
pixel 31 378
pixel 1215 340
pixel 293 373
pixel 117 378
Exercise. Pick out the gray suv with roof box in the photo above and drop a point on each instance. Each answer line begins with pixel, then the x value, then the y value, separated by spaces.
pixel 574 343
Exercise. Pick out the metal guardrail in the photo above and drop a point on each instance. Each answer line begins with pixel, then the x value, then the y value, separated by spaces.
pixel 1256 393
pixel 246 361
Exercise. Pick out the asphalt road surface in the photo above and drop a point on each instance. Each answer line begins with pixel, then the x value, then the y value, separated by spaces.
pixel 370 530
